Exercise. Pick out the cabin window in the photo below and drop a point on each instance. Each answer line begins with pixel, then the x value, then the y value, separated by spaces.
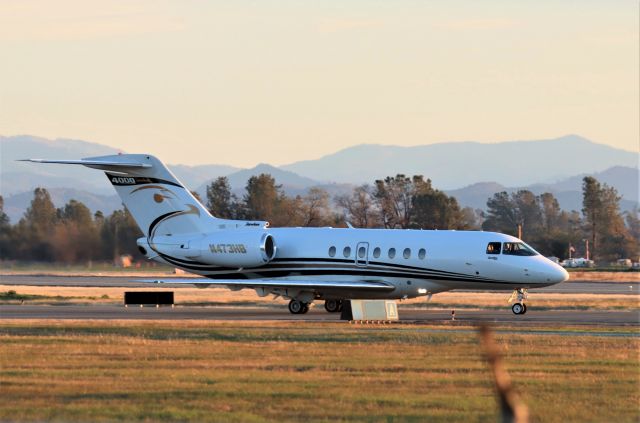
pixel 422 253
pixel 376 252
pixel 406 253
pixel 493 248
pixel 362 252
pixel 346 252
pixel 332 251
pixel 392 253
pixel 517 249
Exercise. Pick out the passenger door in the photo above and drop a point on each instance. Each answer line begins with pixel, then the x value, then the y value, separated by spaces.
pixel 362 254
pixel 488 266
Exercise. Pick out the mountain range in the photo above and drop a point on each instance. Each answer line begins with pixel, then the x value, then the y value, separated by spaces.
pixel 457 164
pixel 555 166
pixel 568 191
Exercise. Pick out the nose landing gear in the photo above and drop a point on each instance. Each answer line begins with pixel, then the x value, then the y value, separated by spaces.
pixel 518 308
pixel 519 295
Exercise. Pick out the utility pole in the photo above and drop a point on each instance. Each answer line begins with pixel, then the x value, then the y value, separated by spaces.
pixel 586 242
pixel 571 250
pixel 116 252
pixel 520 231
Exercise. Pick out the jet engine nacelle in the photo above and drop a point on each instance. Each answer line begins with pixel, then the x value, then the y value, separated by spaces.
pixel 238 248
pixel 226 248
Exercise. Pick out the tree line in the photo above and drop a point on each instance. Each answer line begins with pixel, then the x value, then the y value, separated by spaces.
pixel 72 234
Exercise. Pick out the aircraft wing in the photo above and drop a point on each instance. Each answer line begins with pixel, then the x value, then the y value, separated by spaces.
pixel 372 285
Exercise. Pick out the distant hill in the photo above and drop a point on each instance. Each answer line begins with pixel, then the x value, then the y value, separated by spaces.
pixel 195 176
pixel 556 166
pixel 624 179
pixel 458 164
pixel 18 177
pixel 567 191
pixel 238 180
pixel 15 205
pixel 476 195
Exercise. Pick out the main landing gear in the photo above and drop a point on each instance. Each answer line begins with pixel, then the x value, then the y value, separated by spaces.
pixel 333 306
pixel 519 295
pixel 298 307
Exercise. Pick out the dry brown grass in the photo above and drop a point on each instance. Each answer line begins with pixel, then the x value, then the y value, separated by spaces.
pixel 604 276
pixel 204 371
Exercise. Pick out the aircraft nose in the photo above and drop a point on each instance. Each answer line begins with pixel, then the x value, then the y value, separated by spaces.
pixel 558 274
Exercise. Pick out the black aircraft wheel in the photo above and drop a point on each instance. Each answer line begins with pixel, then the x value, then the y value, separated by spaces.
pixel 333 306
pixel 525 308
pixel 518 308
pixel 305 309
pixel 296 307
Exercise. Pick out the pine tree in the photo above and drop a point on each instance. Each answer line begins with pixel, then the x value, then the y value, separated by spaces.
pixel 5 233
pixel 610 239
pixel 37 227
pixel 262 197
pixel 220 201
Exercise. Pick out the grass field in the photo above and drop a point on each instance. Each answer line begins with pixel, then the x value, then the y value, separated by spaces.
pixel 146 269
pixel 256 371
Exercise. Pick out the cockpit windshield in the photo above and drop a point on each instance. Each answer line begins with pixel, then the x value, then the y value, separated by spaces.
pixel 518 249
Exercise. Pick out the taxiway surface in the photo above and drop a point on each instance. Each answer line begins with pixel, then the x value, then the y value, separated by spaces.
pixel 120 312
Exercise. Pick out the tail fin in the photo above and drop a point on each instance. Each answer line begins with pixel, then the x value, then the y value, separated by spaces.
pixel 159 203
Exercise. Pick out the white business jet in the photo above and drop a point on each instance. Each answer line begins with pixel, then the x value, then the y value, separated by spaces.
pixel 307 264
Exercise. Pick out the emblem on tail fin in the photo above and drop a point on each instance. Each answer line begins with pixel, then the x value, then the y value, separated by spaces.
pixel 158 197
pixel 154 225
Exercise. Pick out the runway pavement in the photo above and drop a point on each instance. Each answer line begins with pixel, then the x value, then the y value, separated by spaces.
pixel 114 312
pixel 129 282
pixel 118 312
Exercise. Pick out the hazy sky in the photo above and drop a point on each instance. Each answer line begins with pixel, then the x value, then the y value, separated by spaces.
pixel 242 82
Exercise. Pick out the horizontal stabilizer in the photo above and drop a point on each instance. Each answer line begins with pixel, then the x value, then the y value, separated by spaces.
pixel 96 164
pixel 281 283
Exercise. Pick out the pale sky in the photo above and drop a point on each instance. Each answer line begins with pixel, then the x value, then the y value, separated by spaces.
pixel 242 82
